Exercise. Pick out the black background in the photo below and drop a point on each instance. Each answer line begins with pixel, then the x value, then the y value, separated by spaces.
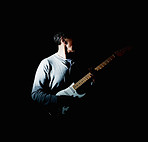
pixel 114 98
pixel 118 106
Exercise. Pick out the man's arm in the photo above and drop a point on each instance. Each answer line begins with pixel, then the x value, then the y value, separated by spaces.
pixel 40 85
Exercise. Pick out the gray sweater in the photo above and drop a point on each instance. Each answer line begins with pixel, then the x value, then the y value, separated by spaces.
pixel 53 74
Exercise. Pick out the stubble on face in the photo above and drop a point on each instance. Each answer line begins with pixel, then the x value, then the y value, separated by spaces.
pixel 69 46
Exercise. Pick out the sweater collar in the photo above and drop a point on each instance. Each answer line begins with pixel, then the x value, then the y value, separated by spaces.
pixel 65 61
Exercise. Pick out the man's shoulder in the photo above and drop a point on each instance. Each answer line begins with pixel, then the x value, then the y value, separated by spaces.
pixel 48 59
pixel 47 62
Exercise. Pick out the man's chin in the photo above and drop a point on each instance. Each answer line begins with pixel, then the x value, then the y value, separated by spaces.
pixel 70 51
pixel 71 55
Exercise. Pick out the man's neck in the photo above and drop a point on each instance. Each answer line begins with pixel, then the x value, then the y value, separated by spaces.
pixel 62 53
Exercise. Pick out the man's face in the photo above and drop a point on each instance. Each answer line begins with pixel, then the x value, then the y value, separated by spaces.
pixel 69 45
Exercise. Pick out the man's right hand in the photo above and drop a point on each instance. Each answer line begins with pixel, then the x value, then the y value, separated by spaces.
pixel 70 91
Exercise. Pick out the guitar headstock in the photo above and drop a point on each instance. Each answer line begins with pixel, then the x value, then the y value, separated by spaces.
pixel 122 51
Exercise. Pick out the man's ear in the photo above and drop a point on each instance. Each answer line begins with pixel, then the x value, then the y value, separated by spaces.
pixel 63 41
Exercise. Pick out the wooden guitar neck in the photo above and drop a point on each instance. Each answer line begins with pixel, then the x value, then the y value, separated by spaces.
pixel 120 52
pixel 89 75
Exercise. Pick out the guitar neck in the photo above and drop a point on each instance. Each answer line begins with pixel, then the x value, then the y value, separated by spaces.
pixel 89 75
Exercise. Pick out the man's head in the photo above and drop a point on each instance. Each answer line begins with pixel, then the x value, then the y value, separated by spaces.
pixel 65 40
pixel 62 35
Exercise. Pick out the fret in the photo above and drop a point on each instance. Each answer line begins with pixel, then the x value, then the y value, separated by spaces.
pixel 98 68
pixel 107 61
pixel 101 65
pixel 104 64
pixel 82 81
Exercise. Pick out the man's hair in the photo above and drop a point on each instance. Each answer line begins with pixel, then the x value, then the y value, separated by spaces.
pixel 57 37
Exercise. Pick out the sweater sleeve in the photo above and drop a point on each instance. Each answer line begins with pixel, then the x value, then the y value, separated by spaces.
pixel 40 90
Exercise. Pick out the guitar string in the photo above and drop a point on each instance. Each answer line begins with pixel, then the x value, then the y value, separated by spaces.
pixel 89 75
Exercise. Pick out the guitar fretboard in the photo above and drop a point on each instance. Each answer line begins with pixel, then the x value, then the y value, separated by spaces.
pixel 89 75
pixel 103 64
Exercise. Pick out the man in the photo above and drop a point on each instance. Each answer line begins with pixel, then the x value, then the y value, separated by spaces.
pixel 55 77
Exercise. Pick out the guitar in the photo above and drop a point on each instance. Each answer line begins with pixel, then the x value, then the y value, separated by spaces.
pixel 88 76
